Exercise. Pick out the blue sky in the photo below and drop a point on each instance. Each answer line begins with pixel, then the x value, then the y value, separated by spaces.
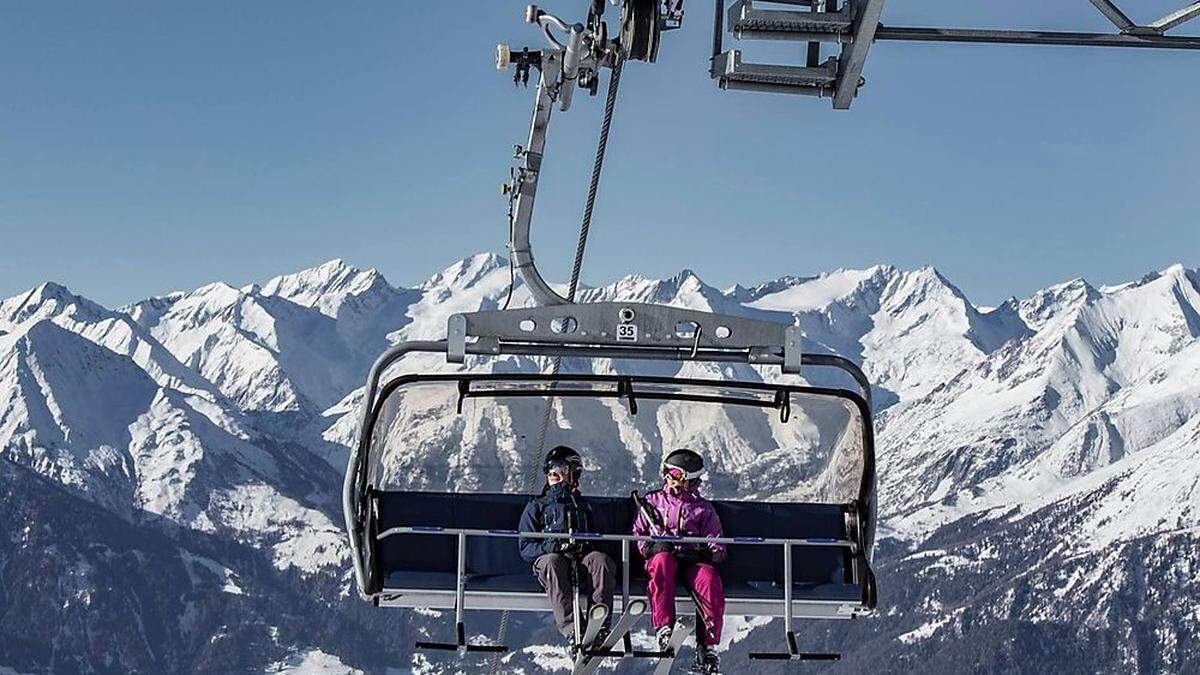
pixel 147 146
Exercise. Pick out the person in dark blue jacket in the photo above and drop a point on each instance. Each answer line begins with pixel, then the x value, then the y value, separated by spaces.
pixel 560 508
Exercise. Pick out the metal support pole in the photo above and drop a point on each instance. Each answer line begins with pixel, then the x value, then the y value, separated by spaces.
pixel 1177 17
pixel 787 588
pixel 1028 37
pixel 461 591
pixel 1114 14
pixel 625 561
pixel 718 45
pixel 850 66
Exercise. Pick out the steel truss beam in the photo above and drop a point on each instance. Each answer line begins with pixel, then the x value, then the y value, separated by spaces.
pixel 1114 14
pixel 1024 37
pixel 854 57
pixel 866 28
pixel 1177 17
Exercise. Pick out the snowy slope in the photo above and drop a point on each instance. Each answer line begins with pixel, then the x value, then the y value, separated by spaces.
pixel 95 421
pixel 1105 375
pixel 1037 463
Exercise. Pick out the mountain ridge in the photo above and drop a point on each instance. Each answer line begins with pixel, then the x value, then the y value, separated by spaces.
pixel 1018 448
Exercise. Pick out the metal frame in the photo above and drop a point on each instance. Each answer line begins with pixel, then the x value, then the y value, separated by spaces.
pixel 632 328
pixel 788 608
pixel 536 602
pixel 1026 37
pixel 623 331
pixel 850 64
pixel 561 66
pixel 826 24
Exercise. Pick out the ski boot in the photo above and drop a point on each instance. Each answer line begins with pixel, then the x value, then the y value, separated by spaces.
pixel 707 662
pixel 662 635
pixel 601 636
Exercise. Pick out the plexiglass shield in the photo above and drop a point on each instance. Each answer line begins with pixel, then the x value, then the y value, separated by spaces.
pixel 759 442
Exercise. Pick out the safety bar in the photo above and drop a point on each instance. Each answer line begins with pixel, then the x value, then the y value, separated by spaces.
pixel 597 536
pixel 461 535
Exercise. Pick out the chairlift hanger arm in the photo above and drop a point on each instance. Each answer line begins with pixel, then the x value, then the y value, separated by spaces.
pixel 573 62
pixel 562 67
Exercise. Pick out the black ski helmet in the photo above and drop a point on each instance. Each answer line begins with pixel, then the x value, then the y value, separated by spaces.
pixel 689 461
pixel 564 456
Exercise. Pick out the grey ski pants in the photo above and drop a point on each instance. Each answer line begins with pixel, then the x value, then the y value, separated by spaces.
pixel 554 571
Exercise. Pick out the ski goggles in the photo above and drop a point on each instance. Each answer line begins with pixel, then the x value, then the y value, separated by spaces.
pixel 677 473
pixel 565 470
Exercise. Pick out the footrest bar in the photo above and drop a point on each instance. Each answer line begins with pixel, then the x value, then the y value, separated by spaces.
pixel 798 656
pixel 436 646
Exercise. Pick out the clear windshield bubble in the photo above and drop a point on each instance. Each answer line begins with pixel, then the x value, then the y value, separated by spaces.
pixel 810 451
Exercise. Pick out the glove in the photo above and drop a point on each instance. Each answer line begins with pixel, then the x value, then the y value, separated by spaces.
pixel 691 556
pixel 567 547
pixel 657 547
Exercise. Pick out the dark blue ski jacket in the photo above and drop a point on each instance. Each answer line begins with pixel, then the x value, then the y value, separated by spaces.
pixel 558 510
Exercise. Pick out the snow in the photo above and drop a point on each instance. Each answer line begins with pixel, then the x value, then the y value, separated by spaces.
pixel 299 536
pixel 816 293
pixel 224 574
pixel 551 659
pixel 326 287
pixel 312 662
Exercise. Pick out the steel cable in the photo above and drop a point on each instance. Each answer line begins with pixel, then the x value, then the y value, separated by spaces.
pixel 585 226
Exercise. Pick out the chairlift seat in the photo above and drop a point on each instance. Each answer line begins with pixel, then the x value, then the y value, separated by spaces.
pixel 426 561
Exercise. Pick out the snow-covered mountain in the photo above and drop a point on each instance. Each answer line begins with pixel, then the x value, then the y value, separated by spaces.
pixel 169 470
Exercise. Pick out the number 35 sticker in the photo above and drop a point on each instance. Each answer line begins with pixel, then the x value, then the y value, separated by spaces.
pixel 627 332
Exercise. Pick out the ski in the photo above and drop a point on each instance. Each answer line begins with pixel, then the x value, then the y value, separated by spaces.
pixel 597 616
pixel 683 627
pixel 592 658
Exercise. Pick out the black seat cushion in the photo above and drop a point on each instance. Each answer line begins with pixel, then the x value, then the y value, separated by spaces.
pixel 494 563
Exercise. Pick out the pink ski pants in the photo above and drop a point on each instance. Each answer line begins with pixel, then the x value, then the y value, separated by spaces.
pixel 702 578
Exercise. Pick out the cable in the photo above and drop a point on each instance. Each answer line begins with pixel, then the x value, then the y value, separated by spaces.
pixel 597 167
pixel 585 226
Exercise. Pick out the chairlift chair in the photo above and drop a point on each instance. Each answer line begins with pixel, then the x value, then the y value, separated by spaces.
pixel 458 550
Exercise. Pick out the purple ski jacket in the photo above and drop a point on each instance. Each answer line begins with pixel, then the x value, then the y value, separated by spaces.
pixel 686 514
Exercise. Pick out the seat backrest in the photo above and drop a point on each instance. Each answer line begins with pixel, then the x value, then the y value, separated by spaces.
pixel 814 565
pixel 613 515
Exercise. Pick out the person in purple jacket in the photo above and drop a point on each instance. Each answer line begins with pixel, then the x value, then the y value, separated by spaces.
pixel 683 512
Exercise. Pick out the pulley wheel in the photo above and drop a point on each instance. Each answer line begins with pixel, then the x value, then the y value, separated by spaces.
pixel 640 29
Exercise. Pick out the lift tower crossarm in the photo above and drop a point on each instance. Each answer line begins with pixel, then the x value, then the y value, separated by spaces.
pixel 866 22
pixel 1114 14
pixel 1177 17
pixel 1029 37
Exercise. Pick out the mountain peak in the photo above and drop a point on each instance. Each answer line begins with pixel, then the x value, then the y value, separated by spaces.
pixel 51 289
pixel 686 274
pixel 45 299
pixel 1175 273
pixel 466 272
pixel 333 265
pixel 1051 301
pixel 329 276
pixel 792 293
pixel 219 291
pixel 326 286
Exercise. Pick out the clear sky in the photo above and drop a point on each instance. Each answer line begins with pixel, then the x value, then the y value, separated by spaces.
pixel 150 146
